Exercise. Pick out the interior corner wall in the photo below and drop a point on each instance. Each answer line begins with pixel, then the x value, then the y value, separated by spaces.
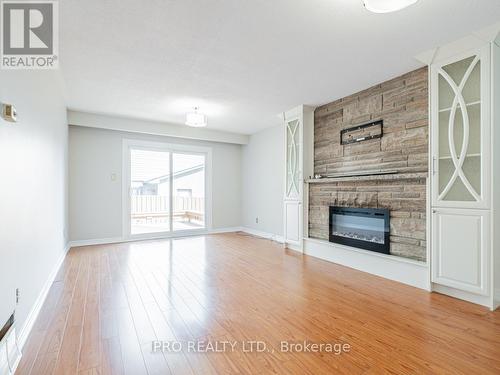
pixel 263 161
pixel 33 188
pixel 95 200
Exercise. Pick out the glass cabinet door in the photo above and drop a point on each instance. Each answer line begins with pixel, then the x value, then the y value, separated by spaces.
pixel 458 133
pixel 292 159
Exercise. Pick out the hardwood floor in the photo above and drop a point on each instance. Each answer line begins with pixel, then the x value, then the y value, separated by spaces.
pixel 109 303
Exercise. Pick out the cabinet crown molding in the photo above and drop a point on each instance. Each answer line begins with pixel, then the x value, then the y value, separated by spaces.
pixel 297 111
pixel 477 39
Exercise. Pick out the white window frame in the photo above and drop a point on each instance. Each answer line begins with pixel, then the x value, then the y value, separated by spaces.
pixel 129 144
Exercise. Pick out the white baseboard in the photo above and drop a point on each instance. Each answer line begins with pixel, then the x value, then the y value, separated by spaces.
pixel 95 241
pixel 35 310
pixel 466 296
pixel 293 247
pixel 496 299
pixel 111 240
pixel 225 230
pixel 391 267
pixel 258 233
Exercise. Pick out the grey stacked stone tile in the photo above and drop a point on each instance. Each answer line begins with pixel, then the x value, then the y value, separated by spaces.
pixel 402 103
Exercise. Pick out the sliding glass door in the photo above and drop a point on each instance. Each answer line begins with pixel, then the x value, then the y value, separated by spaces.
pixel 188 191
pixel 149 191
pixel 167 189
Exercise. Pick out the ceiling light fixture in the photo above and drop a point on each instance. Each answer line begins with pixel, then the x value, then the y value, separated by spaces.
pixel 196 119
pixel 387 6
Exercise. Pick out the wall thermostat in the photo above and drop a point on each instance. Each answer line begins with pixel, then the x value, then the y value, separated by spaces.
pixel 9 113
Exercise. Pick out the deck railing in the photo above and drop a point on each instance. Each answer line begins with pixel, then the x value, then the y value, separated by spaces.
pixel 157 206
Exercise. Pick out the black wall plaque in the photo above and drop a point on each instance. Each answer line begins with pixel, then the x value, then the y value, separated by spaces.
pixel 360 133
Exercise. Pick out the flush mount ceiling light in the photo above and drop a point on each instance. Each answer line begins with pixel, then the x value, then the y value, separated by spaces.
pixel 387 6
pixel 196 119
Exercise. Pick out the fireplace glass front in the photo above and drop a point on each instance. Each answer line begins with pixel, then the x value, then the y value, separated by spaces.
pixel 364 228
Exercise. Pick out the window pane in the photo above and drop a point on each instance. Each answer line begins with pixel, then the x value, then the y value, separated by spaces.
pixel 188 191
pixel 150 185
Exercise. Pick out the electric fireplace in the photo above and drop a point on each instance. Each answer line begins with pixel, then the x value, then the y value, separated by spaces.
pixel 364 228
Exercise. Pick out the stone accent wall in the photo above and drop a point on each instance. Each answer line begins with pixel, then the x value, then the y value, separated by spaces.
pixel 403 105
pixel 406 200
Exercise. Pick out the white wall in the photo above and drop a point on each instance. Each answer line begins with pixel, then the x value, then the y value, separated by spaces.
pixel 127 124
pixel 33 170
pixel 496 175
pixel 263 161
pixel 96 201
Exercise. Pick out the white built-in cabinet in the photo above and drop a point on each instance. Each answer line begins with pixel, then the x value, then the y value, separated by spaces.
pixel 299 132
pixel 461 249
pixel 464 158
pixel 461 129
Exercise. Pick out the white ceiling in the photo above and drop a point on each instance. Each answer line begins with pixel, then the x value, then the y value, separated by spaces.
pixel 243 61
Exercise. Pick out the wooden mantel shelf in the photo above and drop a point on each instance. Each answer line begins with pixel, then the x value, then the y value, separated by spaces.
pixel 374 177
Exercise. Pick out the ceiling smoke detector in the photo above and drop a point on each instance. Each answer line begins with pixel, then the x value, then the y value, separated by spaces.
pixel 196 119
pixel 387 6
